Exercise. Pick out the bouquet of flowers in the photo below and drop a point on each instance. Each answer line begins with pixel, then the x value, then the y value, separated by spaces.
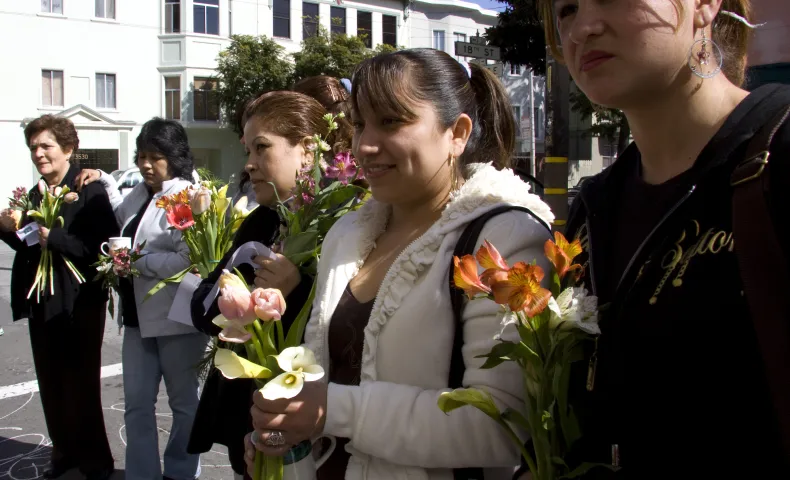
pixel 47 215
pixel 552 324
pixel 18 204
pixel 273 357
pixel 199 213
pixel 116 265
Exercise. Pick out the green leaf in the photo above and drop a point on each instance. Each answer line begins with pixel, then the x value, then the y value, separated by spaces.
pixel 299 247
pixel 546 421
pixel 296 330
pixel 338 196
pixel 163 283
pixel 481 400
pixel 499 353
pixel 515 417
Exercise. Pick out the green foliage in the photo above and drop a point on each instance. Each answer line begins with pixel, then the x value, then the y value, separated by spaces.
pixel 519 34
pixel 335 55
pixel 247 67
pixel 207 175
pixel 607 123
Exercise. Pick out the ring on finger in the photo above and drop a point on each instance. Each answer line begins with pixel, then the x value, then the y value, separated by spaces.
pixel 275 439
pixel 255 437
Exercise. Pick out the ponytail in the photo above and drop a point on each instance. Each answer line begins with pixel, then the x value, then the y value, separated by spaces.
pixel 494 116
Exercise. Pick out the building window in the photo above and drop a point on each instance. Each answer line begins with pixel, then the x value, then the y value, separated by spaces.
pixel 538 120
pixel 365 27
pixel 206 16
pixel 309 20
pixel 100 159
pixel 105 90
pixel 515 69
pixel 438 39
pixel 105 8
pixel 173 98
pixel 52 6
pixel 172 16
pixel 389 30
pixel 338 20
pixel 206 99
pixel 52 88
pixel 282 18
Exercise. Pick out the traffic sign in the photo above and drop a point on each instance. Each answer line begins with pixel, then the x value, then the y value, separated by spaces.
pixel 498 68
pixel 465 49
pixel 477 40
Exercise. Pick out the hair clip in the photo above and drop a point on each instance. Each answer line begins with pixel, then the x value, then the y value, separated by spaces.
pixel 346 84
pixel 741 19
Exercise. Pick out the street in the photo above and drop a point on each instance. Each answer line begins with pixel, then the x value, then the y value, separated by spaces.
pixel 24 444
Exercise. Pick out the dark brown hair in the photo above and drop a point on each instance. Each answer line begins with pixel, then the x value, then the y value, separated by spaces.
pixel 293 115
pixel 730 35
pixel 62 129
pixel 392 84
pixel 332 95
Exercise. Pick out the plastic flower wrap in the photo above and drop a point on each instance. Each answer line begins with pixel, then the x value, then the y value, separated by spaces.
pixel 543 331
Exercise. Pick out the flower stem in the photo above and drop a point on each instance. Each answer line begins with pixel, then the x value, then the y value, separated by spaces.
pixel 524 452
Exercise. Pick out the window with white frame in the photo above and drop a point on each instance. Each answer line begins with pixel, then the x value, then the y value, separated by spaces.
pixel 389 30
pixel 105 9
pixel 52 6
pixel 338 20
pixel 172 16
pixel 309 19
pixel 365 27
pixel 105 90
pixel 538 120
pixel 206 14
pixel 173 98
pixel 438 39
pixel 206 99
pixel 281 17
pixel 52 88
pixel 515 69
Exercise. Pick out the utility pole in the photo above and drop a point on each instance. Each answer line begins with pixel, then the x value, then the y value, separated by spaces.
pixel 555 177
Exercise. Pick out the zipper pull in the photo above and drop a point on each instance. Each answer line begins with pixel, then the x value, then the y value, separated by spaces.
pixel 591 368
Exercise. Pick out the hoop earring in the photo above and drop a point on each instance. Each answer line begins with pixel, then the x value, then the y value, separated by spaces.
pixel 706 62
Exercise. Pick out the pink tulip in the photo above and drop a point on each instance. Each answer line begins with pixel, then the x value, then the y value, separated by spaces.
pixel 234 334
pixel 268 303
pixel 235 303
pixel 71 197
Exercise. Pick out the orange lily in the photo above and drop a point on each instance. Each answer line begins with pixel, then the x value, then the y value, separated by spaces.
pixel 521 291
pixel 465 276
pixel 561 254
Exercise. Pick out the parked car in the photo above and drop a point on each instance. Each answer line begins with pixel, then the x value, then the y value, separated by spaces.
pixel 127 179
pixel 573 191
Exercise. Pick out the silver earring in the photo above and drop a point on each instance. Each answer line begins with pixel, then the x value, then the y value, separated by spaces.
pixel 705 58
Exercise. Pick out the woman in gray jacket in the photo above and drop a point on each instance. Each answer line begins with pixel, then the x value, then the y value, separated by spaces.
pixel 154 346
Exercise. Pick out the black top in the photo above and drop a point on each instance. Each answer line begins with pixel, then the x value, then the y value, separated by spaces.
pixel 223 415
pixel 87 223
pixel 126 285
pixel 346 340
pixel 680 386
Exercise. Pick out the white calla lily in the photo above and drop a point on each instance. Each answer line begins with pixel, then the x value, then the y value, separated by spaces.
pixel 299 366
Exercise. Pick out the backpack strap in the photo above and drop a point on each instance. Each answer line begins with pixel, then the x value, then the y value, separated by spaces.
pixel 465 246
pixel 757 246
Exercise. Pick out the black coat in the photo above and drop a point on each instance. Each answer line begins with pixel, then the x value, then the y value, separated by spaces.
pixel 88 223
pixel 223 415
pixel 680 385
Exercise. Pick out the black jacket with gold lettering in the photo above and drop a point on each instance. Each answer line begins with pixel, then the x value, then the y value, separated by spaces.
pixel 680 390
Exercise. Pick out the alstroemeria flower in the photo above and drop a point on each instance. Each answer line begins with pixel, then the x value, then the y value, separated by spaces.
pixel 495 266
pixel 561 253
pixel 574 308
pixel 343 167
pixel 180 216
pixel 299 366
pixel 268 303
pixel 465 277
pixel 521 291
pixel 232 331
pixel 235 303
pixel 233 366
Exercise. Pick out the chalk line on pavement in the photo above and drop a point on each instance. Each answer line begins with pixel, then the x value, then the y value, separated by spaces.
pixel 24 388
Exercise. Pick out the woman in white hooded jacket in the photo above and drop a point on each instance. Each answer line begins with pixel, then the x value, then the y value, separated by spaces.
pixel 432 140
pixel 155 347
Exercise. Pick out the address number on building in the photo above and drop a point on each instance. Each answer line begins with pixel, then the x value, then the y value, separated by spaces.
pixel 464 49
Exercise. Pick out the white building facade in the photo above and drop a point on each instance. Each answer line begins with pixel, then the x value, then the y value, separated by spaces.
pixel 111 65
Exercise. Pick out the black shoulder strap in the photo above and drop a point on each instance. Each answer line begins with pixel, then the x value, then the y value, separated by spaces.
pixel 465 246
pixel 757 245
